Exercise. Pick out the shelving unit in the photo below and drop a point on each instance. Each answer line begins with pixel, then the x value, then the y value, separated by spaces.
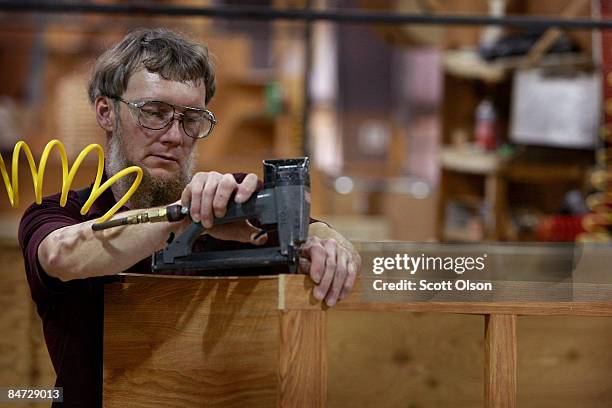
pixel 485 181
pixel 466 63
pixel 474 179
pixel 481 192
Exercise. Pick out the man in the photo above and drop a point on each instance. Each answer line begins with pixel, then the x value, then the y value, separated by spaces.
pixel 149 93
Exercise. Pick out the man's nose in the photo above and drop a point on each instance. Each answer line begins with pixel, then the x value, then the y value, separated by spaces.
pixel 174 133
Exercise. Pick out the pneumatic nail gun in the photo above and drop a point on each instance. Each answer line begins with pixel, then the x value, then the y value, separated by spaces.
pixel 283 204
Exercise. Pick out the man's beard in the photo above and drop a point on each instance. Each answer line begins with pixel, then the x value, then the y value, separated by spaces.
pixel 153 191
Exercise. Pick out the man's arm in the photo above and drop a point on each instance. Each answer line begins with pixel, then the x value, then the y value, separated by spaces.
pixel 76 251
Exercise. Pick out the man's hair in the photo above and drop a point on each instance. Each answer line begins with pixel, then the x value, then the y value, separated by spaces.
pixel 158 50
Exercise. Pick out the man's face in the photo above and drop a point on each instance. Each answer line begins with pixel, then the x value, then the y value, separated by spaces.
pixel 162 152
pixel 165 155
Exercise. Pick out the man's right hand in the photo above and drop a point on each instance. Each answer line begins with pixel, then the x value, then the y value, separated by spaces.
pixel 208 195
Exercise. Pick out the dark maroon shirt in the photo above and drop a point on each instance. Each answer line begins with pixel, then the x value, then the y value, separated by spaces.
pixel 72 312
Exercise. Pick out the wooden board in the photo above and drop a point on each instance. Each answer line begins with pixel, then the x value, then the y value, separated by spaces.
pixel 297 296
pixel 418 360
pixel 157 339
pixel 500 361
pixel 564 362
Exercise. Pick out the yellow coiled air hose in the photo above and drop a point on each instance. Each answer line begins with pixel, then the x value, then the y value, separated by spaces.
pixel 12 185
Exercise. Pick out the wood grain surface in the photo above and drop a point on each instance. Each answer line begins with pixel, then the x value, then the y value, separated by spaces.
pixel 500 361
pixel 376 358
pixel 191 343
pixel 385 359
pixel 564 361
pixel 404 359
pixel 303 359
pixel 298 296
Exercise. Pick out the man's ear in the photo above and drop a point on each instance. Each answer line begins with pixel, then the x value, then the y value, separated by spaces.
pixel 105 114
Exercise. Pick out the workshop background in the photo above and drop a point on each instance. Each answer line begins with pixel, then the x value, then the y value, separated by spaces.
pixel 416 133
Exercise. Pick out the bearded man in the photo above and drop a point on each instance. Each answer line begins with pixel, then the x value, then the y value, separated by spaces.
pixel 149 93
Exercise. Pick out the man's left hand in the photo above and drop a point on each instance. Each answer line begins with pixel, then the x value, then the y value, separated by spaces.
pixel 332 264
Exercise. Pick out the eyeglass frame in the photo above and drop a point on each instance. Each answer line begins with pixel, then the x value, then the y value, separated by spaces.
pixel 139 104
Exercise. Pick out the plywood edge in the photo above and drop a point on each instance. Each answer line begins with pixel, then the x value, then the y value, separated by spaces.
pixel 281 292
pixel 142 277
pixel 297 295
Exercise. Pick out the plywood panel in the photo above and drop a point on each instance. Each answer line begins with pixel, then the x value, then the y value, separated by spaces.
pixel 416 360
pixel 158 336
pixel 435 360
pixel 564 362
